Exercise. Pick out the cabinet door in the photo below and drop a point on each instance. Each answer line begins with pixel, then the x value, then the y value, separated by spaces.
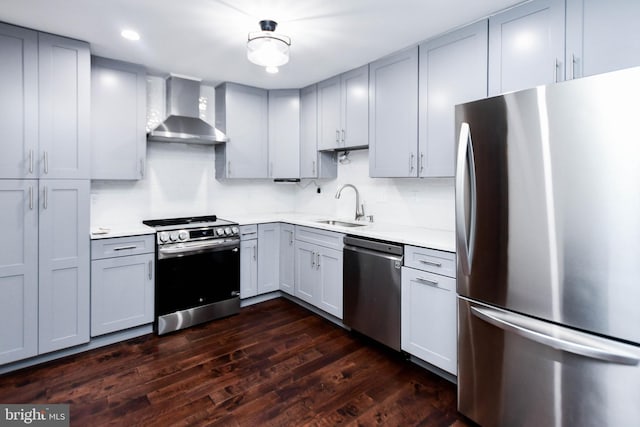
pixel 526 46
pixel 284 133
pixel 308 132
pixel 329 114
pixel 287 258
pixel 65 85
pixel 393 115
pixel 355 108
pixel 329 266
pixel 246 126
pixel 602 36
pixel 118 119
pixel 248 268
pixel 307 277
pixel 64 264
pixel 453 70
pixel 429 318
pixel 18 270
pixel 121 293
pixel 18 102
pixel 268 257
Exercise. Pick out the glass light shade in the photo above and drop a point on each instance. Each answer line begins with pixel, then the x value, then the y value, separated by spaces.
pixel 268 49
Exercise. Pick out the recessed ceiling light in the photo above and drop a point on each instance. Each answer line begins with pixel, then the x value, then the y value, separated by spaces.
pixel 271 70
pixel 130 35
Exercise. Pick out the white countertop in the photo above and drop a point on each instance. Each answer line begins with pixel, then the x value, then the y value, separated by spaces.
pixel 409 235
pixel 120 230
pixel 417 236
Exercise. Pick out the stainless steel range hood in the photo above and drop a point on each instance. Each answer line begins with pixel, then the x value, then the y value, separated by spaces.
pixel 183 123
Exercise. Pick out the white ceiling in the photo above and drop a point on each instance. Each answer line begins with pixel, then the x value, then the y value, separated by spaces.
pixel 207 38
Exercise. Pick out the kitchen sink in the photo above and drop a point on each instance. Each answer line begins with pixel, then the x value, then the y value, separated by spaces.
pixel 339 223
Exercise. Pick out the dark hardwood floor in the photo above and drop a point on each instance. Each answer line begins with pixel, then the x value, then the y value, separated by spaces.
pixel 273 364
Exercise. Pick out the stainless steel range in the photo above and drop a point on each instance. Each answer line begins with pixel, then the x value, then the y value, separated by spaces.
pixel 197 271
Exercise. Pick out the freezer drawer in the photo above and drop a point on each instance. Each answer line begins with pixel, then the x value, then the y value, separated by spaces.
pixel 516 370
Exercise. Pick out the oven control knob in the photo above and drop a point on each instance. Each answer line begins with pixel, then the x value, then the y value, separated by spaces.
pixel 235 230
pixel 183 235
pixel 227 231
pixel 173 236
pixel 164 237
pixel 220 231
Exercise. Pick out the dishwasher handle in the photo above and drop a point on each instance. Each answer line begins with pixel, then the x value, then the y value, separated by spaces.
pixel 391 257
pixel 374 245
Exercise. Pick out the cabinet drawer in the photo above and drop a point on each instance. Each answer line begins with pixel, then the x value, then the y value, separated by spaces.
pixel 328 239
pixel 439 262
pixel 248 232
pixel 122 246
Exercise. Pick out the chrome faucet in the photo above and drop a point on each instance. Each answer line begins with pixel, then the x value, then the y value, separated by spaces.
pixel 359 207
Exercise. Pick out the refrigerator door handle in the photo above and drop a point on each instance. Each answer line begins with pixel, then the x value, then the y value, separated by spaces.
pixel 465 243
pixel 557 337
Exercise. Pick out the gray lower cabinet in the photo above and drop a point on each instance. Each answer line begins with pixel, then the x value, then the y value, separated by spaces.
pixel 242 114
pixel 318 267
pixel 393 115
pixel 18 270
pixel 284 133
pixel 526 46
pixel 429 322
pixel 64 277
pixel 118 119
pixel 248 261
pixel 287 257
pixel 602 36
pixel 122 283
pixel 453 70
pixel 268 257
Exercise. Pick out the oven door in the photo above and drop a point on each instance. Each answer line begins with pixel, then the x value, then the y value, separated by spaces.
pixel 196 274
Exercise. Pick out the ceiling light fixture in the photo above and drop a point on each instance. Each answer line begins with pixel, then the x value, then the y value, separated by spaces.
pixel 266 48
pixel 272 70
pixel 130 35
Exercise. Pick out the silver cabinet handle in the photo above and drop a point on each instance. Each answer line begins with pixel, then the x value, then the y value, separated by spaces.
pixel 318 262
pixel 124 248
pixel 435 264
pixel 343 139
pixel 465 243
pixel 31 160
pixel 255 252
pixel 31 197
pixel 573 66
pixel 150 273
pixel 337 137
pixel 421 162
pixel 411 162
pixel 556 65
pixel 290 238
pixel 427 281
pixel 557 337
pixel 45 198
pixel 313 168
pixel 141 168
pixel 313 259
pixel 46 162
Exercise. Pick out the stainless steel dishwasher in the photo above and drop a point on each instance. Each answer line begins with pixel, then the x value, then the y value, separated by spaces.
pixel 371 276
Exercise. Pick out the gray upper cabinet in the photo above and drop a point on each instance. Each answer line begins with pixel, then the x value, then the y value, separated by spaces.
pixel 393 115
pixel 526 46
pixel 602 36
pixel 18 102
pixel 64 92
pixel 118 116
pixel 18 270
pixel 63 301
pixel 242 113
pixel 343 110
pixel 284 133
pixel 313 164
pixel 453 70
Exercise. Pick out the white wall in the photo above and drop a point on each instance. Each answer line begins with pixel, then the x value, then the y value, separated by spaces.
pixel 180 181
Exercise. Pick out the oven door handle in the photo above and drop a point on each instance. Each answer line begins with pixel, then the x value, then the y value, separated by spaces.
pixel 175 252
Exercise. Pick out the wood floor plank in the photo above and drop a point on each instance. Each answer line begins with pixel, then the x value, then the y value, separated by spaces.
pixel 273 364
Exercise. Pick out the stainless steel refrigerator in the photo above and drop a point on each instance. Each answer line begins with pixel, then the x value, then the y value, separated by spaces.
pixel 548 242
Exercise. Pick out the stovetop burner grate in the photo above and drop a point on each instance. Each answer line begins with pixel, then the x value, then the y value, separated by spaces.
pixel 180 221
